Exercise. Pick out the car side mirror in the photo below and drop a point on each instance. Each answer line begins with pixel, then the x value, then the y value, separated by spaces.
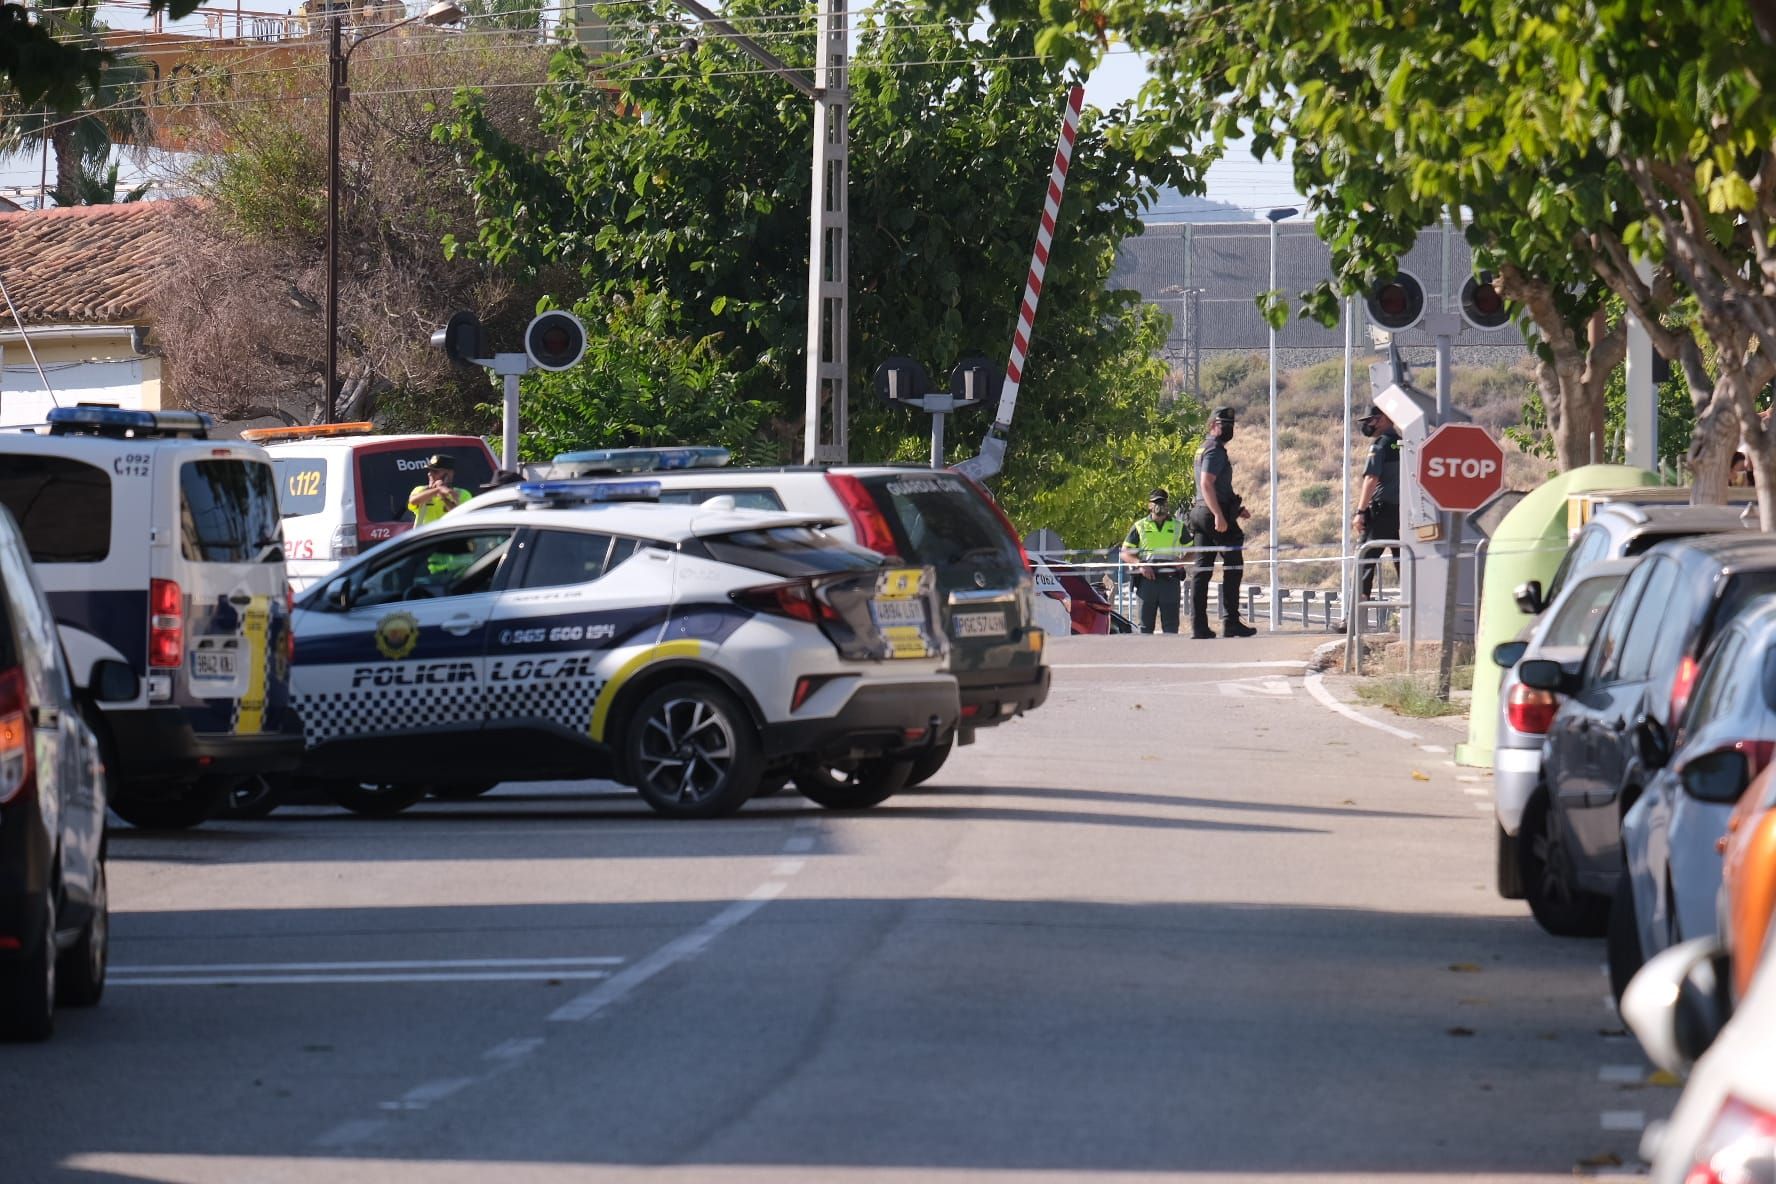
pixel 1528 596
pixel 1542 674
pixel 1678 1003
pixel 339 594
pixel 1508 653
pixel 1718 776
pixel 1652 744
pixel 114 682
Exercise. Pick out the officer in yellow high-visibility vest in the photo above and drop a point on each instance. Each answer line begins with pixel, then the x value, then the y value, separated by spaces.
pixel 1155 549
pixel 440 494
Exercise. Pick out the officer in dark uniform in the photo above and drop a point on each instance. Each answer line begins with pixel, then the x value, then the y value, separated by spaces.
pixel 1215 522
pixel 1378 500
pixel 1154 548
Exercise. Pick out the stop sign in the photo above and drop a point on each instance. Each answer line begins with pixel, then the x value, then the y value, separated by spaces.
pixel 1461 467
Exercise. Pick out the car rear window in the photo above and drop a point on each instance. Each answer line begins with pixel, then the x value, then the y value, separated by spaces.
pixel 1582 611
pixel 938 518
pixel 228 512
pixel 1740 591
pixel 302 484
pixel 744 499
pixel 63 507
pixel 386 478
pixel 790 551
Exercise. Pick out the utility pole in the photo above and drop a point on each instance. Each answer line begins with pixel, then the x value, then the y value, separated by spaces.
pixel 828 257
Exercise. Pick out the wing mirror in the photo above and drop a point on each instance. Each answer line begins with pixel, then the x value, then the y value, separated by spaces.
pixel 1652 744
pixel 1528 596
pixel 1718 776
pixel 1507 653
pixel 1678 1003
pixel 1542 674
pixel 114 682
pixel 339 594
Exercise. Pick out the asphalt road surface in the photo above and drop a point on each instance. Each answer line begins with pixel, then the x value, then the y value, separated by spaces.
pixel 1189 922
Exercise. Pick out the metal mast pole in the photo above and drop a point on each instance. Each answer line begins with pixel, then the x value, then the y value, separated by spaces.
pixel 1276 607
pixel 828 329
pixel 335 84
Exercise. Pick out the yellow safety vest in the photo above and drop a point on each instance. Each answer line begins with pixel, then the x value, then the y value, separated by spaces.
pixel 1160 541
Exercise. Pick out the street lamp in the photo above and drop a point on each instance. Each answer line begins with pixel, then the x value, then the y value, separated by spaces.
pixel 444 12
pixel 1276 607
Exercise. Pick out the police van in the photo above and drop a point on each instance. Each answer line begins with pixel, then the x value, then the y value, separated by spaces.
pixel 160 548
pixel 344 489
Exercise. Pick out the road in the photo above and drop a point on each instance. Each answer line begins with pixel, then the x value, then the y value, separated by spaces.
pixel 1187 923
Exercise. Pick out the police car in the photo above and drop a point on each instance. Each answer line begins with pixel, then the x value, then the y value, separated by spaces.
pixel 160 549
pixel 585 630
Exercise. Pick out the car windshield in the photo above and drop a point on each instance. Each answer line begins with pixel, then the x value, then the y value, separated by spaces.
pixel 1582 611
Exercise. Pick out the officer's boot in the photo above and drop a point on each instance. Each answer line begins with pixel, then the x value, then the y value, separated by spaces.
pixel 1199 614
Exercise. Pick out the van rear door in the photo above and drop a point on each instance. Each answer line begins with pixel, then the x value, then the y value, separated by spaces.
pixel 387 475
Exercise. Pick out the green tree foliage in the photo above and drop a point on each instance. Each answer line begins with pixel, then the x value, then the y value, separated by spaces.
pixel 691 178
pixel 44 66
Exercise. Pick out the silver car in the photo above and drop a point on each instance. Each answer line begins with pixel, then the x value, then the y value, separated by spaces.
pixel 1562 633
pixel 1726 736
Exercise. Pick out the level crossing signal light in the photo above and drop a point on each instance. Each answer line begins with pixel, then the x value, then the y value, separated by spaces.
pixel 1396 303
pixel 460 339
pixel 555 340
pixel 1481 304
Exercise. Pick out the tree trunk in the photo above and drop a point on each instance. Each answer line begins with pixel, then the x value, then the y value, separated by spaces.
pixel 1712 448
pixel 67 165
pixel 1572 370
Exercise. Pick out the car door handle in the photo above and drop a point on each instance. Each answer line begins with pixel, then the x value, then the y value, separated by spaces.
pixel 461 624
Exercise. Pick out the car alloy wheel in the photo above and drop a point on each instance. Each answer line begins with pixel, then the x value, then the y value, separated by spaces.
pixel 692 752
pixel 1559 905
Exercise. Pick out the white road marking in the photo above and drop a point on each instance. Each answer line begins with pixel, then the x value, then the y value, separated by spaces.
pixel 1477 791
pixel 1438 748
pixel 1621 1074
pixel 1469 777
pixel 799 843
pixel 1283 665
pixel 1483 806
pixel 293 980
pixel 1315 687
pixel 789 867
pixel 1259 688
pixel 667 956
pixel 355 1131
pixel 446 964
pixel 421 1096
pixel 513 1049
pixel 1623 1120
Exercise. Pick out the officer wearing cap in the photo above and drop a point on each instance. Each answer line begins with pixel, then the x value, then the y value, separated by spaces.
pixel 440 494
pixel 1215 522
pixel 1155 549
pixel 1378 499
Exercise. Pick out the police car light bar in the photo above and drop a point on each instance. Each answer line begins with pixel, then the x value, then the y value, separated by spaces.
pixel 641 460
pixel 574 493
pixel 308 432
pixel 100 420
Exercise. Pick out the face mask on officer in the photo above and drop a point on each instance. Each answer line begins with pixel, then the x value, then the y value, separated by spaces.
pixel 1368 427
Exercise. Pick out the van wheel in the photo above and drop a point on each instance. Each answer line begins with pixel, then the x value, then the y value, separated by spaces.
pixel 190 806
pixel 855 785
pixel 376 799
pixel 1559 905
pixel 691 751
pixel 1622 942
pixel 81 972
pixel 1509 872
pixel 929 762
pixel 28 986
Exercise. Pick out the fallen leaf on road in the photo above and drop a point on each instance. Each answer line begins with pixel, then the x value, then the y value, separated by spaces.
pixel 1460 1032
pixel 1417 775
pixel 1663 1077
pixel 1465 967
pixel 1603 1159
pixel 1348 802
pixel 1137 707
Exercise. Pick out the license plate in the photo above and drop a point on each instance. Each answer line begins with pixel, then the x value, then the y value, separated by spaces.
pixel 978 624
pixel 212 664
pixel 910 611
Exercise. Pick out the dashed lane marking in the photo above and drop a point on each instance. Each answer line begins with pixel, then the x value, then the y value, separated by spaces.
pixel 1623 1120
pixel 788 867
pixel 1621 1074
pixel 348 1134
pixel 513 1049
pixel 799 843
pixel 422 1096
pixel 1436 748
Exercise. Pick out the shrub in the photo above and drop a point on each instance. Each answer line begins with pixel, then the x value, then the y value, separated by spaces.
pixel 1316 495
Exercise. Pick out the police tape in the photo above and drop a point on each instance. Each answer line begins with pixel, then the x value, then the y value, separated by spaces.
pixel 1186 555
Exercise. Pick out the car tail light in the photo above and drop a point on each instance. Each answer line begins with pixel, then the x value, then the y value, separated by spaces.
pixel 1005 521
pixel 1737 1147
pixel 1681 687
pixel 1530 711
pixel 867 518
pixel 166 624
pixel 15 735
pixel 344 543
pixel 792 598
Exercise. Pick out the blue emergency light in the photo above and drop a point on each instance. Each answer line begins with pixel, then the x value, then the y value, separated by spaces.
pixel 576 493
pixel 641 460
pixel 105 420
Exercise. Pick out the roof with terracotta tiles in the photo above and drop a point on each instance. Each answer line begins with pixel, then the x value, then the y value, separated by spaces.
pixel 86 264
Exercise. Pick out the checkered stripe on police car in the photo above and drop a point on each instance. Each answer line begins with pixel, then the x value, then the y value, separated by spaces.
pixel 567 702
pixel 332 715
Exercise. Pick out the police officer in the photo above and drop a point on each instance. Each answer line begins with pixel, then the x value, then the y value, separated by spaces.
pixel 1378 499
pixel 440 494
pixel 1154 548
pixel 1215 522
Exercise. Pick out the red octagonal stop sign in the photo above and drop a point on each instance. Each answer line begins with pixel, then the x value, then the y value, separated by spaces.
pixel 1461 467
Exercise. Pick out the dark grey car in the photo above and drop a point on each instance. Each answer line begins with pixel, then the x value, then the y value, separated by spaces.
pixel 1642 664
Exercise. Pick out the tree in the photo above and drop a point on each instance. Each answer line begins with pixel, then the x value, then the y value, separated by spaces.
pixel 48 70
pixel 690 178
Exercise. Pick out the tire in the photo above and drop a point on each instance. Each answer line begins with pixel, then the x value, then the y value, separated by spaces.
pixel 80 974
pixel 191 806
pixel 252 798
pixel 28 987
pixel 691 751
pixel 461 791
pixel 376 800
pixel 865 784
pixel 1509 873
pixel 1558 904
pixel 929 762
pixel 771 783
pixel 1622 942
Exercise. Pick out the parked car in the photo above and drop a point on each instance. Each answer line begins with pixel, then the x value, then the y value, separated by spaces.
pixel 1641 665
pixel 342 488
pixel 584 631
pixel 912 515
pixel 1619 529
pixel 160 549
pixel 1671 834
pixel 54 919
pixel 1561 634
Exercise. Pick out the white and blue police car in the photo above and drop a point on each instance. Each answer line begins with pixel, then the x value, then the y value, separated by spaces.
pixel 584 630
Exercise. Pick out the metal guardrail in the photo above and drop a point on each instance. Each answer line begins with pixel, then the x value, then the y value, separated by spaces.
pixel 1406 594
